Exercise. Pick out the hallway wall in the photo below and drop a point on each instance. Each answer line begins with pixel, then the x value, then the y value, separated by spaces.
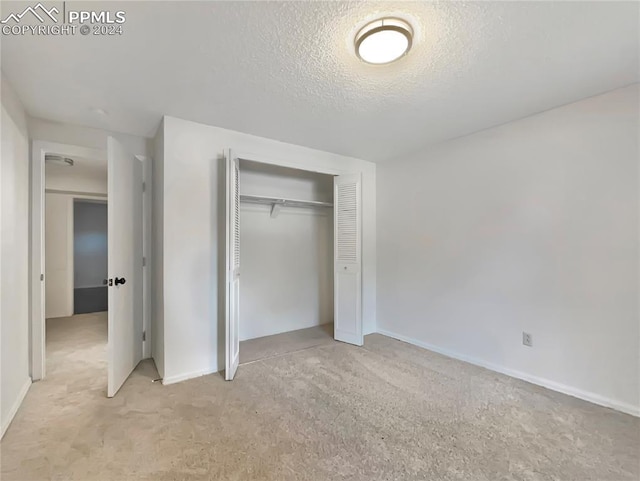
pixel 14 256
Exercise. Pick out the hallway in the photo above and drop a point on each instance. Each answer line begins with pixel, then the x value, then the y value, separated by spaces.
pixel 77 352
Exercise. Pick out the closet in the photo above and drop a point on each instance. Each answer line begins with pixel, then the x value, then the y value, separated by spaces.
pixel 286 250
pixel 293 258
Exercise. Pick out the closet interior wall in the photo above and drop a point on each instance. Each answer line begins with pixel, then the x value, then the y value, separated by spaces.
pixel 286 259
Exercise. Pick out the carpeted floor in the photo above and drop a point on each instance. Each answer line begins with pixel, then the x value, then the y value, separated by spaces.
pixel 285 343
pixel 388 411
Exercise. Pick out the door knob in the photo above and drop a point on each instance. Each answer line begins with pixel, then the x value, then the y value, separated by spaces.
pixel 120 280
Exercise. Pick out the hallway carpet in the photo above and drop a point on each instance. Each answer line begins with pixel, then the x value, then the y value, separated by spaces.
pixel 388 411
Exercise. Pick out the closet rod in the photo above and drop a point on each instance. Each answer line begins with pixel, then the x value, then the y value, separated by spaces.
pixel 259 199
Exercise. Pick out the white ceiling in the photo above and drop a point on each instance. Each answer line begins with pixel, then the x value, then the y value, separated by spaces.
pixel 287 70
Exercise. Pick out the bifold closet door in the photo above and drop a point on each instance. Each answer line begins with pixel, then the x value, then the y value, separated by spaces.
pixel 347 201
pixel 232 310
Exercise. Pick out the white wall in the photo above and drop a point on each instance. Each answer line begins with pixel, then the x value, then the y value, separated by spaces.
pixel 287 261
pixel 40 129
pixel 275 181
pixel 71 181
pixel 14 256
pixel 193 218
pixel 58 234
pixel 531 226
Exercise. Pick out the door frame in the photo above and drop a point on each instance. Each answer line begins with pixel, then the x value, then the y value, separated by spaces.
pixel 309 167
pixel 292 164
pixel 37 282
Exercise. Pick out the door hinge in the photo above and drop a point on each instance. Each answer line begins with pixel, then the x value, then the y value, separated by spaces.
pixel 144 186
pixel 144 261
pixel 42 277
pixel 144 335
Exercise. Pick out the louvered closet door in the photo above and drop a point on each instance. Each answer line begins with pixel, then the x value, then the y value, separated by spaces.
pixel 348 259
pixel 233 268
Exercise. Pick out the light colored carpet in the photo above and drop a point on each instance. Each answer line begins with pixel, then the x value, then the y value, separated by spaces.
pixel 388 411
pixel 285 343
pixel 77 352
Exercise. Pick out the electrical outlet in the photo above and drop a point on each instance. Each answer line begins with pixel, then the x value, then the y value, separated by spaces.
pixel 527 339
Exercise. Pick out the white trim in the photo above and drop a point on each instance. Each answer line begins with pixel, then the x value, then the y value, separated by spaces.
pixel 539 381
pixel 16 405
pixel 71 278
pixel 146 254
pixel 94 198
pixel 36 260
pixel 101 197
pixel 188 375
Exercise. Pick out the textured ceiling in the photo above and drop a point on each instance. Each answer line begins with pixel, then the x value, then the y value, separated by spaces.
pixel 288 71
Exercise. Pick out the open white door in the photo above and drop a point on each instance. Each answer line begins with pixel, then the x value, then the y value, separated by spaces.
pixel 347 214
pixel 124 350
pixel 233 268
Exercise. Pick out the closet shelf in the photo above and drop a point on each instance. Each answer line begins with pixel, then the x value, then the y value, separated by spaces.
pixel 277 203
pixel 258 199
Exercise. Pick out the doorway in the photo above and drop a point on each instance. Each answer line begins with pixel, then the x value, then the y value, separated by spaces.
pixel 126 236
pixel 286 246
pixel 89 256
pixel 75 237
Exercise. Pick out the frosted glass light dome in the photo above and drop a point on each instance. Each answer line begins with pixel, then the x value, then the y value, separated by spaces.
pixel 384 41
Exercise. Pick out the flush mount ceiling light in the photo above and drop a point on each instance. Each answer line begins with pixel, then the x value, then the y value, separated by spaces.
pixel 58 159
pixel 384 40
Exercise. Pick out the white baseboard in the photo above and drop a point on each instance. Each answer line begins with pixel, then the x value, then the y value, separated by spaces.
pixel 188 375
pixel 16 405
pixel 554 386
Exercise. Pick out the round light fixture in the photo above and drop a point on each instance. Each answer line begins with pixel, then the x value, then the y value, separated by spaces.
pixel 384 40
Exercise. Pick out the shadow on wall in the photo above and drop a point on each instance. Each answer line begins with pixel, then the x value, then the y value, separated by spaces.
pixel 325 269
